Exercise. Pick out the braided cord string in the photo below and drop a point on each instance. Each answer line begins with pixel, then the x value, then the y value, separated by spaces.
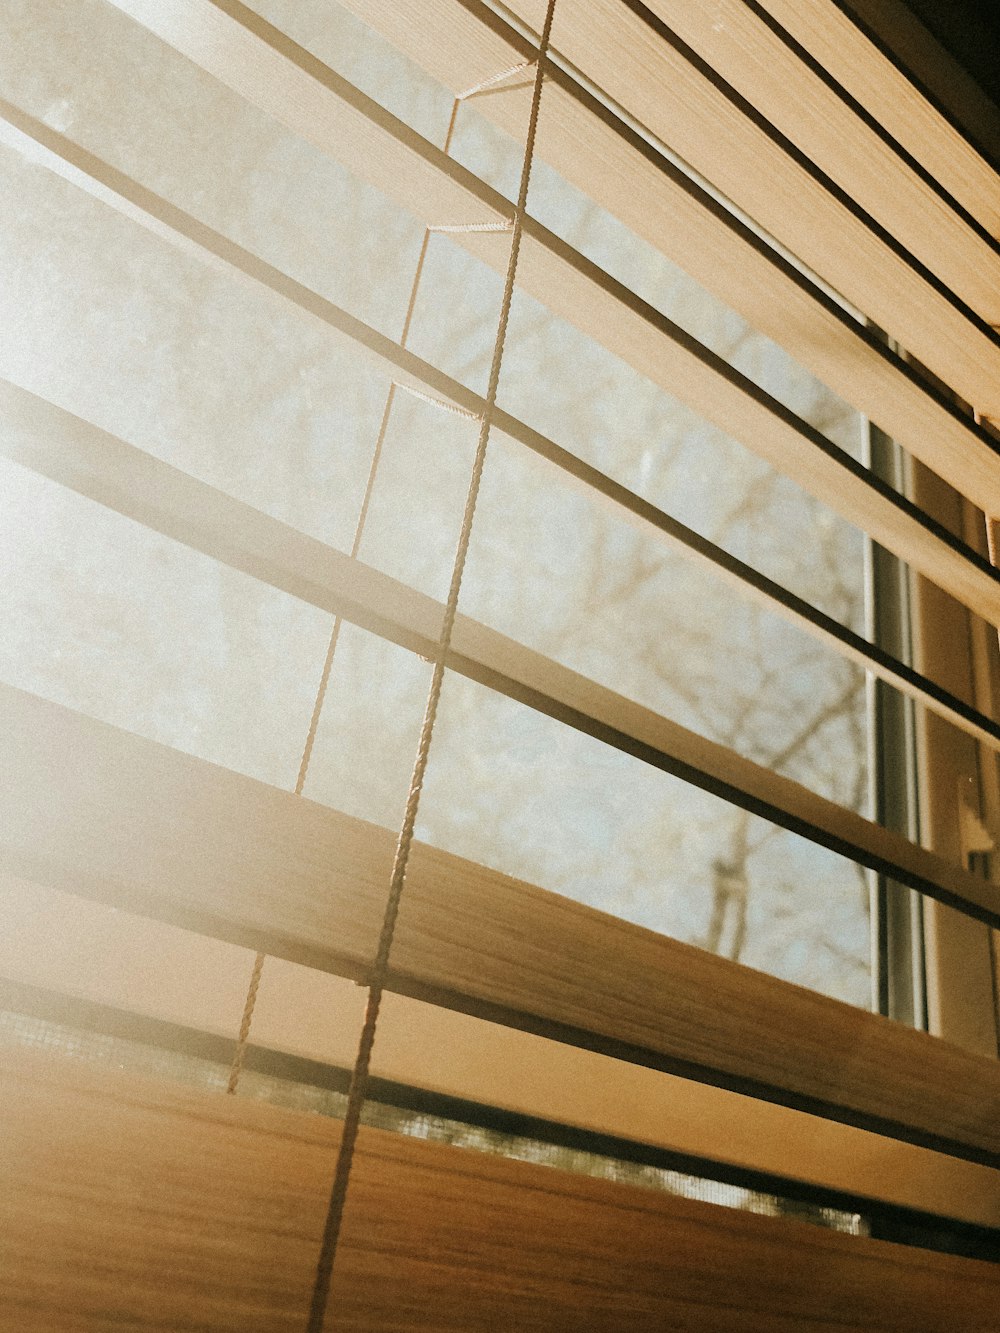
pixel 239 1055
pixel 377 978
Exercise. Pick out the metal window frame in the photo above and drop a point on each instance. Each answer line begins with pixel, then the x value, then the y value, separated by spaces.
pixel 958 785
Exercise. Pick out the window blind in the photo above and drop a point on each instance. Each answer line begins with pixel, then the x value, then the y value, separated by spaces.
pixel 723 143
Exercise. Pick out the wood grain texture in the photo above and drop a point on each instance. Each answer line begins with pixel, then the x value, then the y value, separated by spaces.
pixel 626 51
pixel 898 31
pixel 762 64
pixel 76 962
pixel 841 46
pixel 459 42
pixel 232 857
pixel 130 1203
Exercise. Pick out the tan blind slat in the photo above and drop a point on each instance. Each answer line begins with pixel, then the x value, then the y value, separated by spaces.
pixel 435 1237
pixel 630 59
pixel 224 854
pixel 880 85
pixel 766 69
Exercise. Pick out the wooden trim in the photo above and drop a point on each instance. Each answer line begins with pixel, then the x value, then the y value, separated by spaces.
pixel 75 950
pixel 231 857
pixel 460 42
pixel 226 529
pixel 163 1205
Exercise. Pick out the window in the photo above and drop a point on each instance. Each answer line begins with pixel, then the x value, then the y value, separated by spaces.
pixel 255 278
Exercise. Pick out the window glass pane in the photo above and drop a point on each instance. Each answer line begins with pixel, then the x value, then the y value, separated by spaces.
pixel 100 78
pixel 526 795
pixel 222 380
pixel 245 391
pixel 114 620
pixel 540 801
pixel 556 570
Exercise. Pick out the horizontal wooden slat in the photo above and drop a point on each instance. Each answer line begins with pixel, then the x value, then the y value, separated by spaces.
pixel 73 961
pixel 783 82
pixel 461 42
pixel 229 856
pixel 653 345
pixel 879 82
pixel 129 1202
pixel 172 502
pixel 250 55
pixel 94 463
pixel 629 53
